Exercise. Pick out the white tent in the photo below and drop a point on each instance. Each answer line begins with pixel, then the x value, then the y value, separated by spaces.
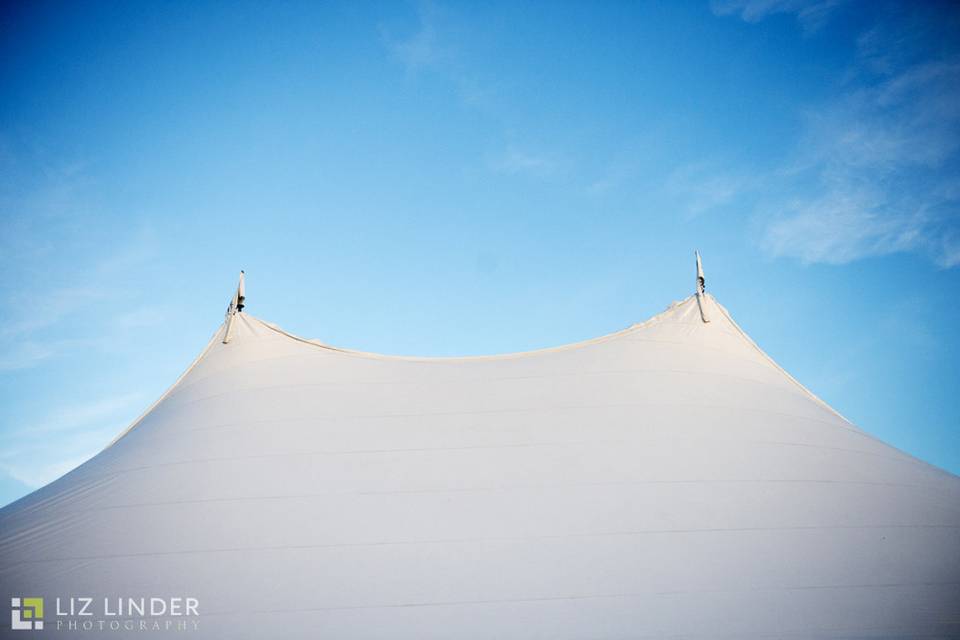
pixel 669 480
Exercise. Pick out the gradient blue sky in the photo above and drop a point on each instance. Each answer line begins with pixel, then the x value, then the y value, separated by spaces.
pixel 465 178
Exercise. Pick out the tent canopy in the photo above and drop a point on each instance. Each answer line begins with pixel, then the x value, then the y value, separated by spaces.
pixel 666 480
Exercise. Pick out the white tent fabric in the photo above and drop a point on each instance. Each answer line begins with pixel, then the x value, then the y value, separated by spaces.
pixel 669 480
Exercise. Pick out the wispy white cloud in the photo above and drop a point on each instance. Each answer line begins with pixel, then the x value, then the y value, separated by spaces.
pixel 839 227
pixel 420 49
pixel 701 187
pixel 877 172
pixel 516 160
pixel 24 355
pixel 41 451
pixel 43 209
pixel 64 267
pixel 877 167
pixel 139 318
pixel 34 310
pixel 35 476
pixel 17 353
pixel 607 182
pixel 812 14
pixel 435 46
pixel 34 316
pixel 83 415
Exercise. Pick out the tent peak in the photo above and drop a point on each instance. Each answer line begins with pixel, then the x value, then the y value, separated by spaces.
pixel 701 287
pixel 236 306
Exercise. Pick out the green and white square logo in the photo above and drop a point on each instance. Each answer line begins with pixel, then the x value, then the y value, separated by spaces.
pixel 26 613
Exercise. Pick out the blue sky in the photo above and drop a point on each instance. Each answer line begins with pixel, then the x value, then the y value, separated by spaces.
pixel 464 178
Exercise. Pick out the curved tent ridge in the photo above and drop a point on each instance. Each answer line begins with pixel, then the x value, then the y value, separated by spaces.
pixel 701 297
pixel 697 301
pixel 223 329
pixel 498 356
